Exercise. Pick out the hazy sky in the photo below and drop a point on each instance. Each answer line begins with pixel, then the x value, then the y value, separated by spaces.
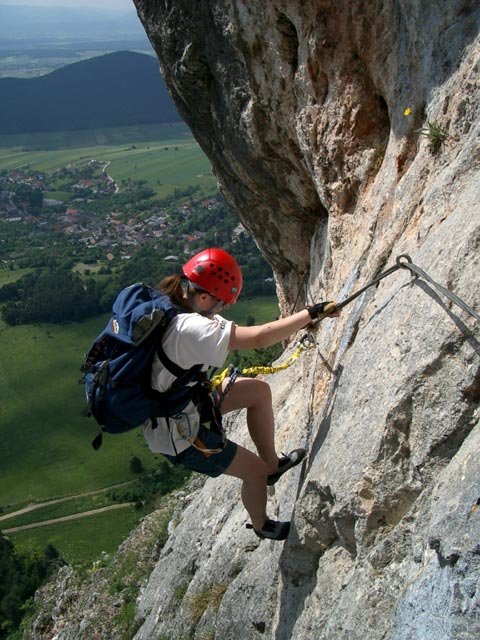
pixel 121 5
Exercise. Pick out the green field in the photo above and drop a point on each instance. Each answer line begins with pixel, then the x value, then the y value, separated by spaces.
pixel 46 450
pixel 59 509
pixel 262 309
pixel 167 157
pixel 81 541
pixel 7 276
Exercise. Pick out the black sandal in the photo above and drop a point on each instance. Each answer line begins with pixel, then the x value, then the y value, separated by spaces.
pixel 286 462
pixel 272 530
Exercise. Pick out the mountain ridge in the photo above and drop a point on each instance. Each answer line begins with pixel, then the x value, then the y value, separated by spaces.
pixel 117 89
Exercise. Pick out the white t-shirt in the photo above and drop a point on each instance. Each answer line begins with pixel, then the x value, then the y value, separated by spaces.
pixel 190 339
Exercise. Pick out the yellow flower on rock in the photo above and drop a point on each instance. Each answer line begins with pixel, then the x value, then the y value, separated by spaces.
pixel 407 111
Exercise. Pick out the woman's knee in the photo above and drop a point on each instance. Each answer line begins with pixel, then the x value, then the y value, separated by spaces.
pixel 263 390
pixel 259 394
pixel 247 393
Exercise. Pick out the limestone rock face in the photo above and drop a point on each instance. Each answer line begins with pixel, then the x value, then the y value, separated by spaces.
pixel 300 107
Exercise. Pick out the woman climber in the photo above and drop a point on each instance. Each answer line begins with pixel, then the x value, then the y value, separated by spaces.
pixel 210 281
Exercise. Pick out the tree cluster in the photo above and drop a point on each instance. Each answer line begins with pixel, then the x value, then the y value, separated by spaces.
pixel 56 294
pixel 20 578
pixel 51 296
pixel 150 486
pixel 26 193
pixel 256 357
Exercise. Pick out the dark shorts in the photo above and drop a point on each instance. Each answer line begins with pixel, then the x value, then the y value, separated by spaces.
pixel 210 464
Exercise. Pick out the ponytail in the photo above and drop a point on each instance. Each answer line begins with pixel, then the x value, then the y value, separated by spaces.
pixel 173 286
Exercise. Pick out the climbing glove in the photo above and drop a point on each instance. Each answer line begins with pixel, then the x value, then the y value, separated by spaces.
pixel 320 309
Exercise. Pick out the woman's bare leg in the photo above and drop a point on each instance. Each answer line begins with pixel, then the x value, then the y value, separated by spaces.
pixel 255 396
pixel 253 471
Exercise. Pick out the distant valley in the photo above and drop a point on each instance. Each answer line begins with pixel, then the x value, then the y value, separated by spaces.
pixel 117 89
pixel 35 40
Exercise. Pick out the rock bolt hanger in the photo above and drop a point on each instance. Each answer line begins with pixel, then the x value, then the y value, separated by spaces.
pixel 403 261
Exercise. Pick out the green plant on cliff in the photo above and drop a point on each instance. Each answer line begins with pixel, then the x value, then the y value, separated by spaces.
pixel 181 589
pixel 436 135
pixel 208 597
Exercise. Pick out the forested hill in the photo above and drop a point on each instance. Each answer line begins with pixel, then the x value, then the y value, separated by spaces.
pixel 121 88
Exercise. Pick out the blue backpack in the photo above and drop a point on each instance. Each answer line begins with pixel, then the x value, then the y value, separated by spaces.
pixel 117 367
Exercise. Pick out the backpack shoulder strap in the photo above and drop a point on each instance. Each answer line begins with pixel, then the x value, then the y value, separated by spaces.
pixel 175 369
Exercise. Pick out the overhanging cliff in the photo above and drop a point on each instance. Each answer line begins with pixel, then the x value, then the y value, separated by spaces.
pixel 301 108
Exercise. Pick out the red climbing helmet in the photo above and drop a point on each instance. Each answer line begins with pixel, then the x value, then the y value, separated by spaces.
pixel 217 272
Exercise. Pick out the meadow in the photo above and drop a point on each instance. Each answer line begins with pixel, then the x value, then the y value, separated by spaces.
pixel 46 450
pixel 84 541
pixel 166 157
pixel 46 443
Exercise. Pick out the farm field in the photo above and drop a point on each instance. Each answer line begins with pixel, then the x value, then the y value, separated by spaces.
pixel 166 157
pixel 50 141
